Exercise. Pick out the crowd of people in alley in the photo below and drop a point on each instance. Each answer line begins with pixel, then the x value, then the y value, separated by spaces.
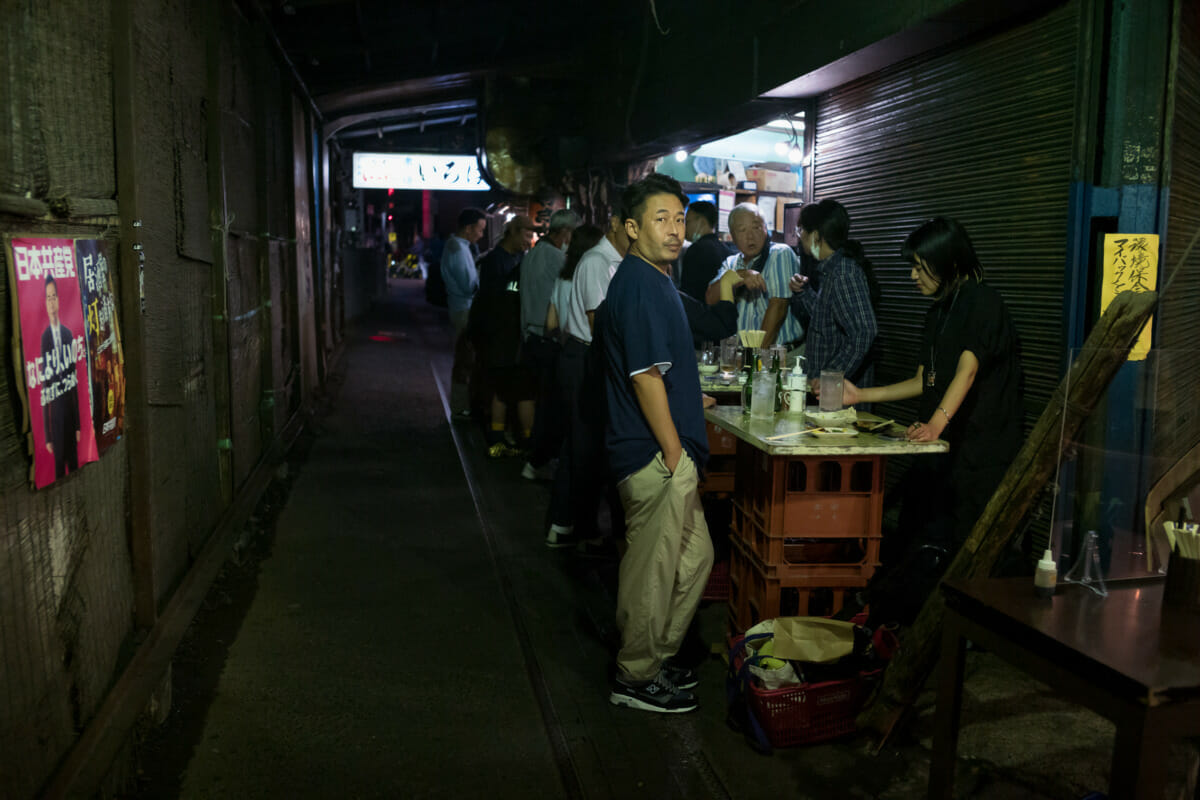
pixel 577 356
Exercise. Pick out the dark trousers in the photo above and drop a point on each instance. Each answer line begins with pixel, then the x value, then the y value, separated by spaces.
pixel 580 481
pixel 541 357
pixel 940 507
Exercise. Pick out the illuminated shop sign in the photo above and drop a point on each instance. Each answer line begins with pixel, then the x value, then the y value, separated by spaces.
pixel 417 171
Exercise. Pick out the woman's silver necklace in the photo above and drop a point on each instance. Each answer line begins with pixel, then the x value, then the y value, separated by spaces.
pixel 931 376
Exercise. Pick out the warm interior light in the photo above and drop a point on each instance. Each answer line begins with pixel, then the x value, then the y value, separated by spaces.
pixel 681 155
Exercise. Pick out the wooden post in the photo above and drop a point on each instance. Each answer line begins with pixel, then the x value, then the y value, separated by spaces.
pixel 1105 350
pixel 137 432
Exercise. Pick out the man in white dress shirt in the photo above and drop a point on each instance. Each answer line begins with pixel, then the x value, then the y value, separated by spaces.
pixel 585 478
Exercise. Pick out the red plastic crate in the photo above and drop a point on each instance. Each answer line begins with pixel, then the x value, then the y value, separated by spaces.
pixel 811 496
pixel 756 589
pixel 813 712
pixel 717 588
pixel 810 712
pixel 832 557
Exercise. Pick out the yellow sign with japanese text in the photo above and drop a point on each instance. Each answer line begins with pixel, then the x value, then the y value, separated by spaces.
pixel 1130 264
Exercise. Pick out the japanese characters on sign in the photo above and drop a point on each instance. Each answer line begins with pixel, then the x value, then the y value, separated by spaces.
pixel 106 360
pixel 58 347
pixel 417 171
pixel 1130 264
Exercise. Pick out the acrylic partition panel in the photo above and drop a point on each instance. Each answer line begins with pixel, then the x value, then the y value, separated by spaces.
pixel 1142 424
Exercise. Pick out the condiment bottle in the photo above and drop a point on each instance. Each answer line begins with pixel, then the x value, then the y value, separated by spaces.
pixel 777 367
pixel 748 386
pixel 1045 577
pixel 798 376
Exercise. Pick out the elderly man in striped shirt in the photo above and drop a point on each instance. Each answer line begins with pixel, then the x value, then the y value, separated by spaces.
pixel 761 309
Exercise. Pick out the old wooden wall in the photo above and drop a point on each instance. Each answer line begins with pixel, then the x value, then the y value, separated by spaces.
pixel 224 341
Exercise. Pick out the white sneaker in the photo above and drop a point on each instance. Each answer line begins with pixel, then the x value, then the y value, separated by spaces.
pixel 543 473
pixel 561 536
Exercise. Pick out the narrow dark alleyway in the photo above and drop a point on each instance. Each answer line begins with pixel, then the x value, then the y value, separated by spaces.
pixel 397 629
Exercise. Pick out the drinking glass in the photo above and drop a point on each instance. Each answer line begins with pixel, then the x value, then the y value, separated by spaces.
pixel 762 402
pixel 831 390
pixel 708 360
pixel 729 353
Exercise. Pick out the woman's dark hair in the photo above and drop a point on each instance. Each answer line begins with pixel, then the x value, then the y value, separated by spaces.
pixel 705 209
pixel 583 239
pixel 830 219
pixel 946 249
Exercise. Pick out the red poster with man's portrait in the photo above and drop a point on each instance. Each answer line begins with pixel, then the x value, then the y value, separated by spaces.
pixel 54 356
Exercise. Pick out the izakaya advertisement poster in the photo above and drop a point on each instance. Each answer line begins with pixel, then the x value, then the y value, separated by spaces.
pixel 54 356
pixel 106 361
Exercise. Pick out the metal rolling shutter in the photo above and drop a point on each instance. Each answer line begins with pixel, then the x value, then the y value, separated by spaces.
pixel 1177 423
pixel 984 133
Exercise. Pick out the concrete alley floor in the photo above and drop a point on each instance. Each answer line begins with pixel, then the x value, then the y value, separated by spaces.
pixel 395 628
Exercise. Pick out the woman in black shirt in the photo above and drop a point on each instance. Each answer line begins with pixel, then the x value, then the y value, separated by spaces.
pixel 969 382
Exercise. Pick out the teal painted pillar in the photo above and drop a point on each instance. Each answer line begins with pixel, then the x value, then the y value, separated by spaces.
pixel 1112 471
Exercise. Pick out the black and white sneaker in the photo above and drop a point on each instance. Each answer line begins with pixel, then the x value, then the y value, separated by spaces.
pixel 681 676
pixel 657 695
pixel 561 536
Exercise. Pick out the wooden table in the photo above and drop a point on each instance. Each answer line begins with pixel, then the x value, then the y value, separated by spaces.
pixel 807 510
pixel 1122 656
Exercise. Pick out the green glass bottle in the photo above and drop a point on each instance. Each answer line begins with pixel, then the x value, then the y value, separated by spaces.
pixel 748 387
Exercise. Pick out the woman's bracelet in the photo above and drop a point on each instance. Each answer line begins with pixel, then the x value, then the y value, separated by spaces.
pixel 943 410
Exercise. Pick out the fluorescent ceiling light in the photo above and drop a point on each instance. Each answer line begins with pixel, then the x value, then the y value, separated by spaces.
pixel 782 124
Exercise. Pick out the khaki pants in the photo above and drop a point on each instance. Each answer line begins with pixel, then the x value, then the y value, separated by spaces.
pixel 665 567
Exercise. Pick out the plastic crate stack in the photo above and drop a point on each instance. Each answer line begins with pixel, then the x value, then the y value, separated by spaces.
pixel 802 524
pixel 719 473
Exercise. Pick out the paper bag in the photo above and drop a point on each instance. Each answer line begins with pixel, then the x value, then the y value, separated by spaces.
pixel 814 639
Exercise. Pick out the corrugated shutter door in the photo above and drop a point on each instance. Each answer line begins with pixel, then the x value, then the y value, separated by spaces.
pixel 1177 423
pixel 983 133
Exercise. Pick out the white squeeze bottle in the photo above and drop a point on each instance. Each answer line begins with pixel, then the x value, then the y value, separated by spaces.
pixel 1046 575
pixel 797 376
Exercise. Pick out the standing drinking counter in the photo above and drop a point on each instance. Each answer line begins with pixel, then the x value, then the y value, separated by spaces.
pixel 807 509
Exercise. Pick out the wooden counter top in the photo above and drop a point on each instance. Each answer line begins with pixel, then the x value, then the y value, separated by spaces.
pixel 756 431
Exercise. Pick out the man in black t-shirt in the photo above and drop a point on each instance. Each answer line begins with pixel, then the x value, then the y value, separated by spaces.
pixel 657 445
pixel 707 253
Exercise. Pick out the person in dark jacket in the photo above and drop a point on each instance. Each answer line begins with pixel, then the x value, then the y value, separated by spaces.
pixel 494 329
pixel 60 388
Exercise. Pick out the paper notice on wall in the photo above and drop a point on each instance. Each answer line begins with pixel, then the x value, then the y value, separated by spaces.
pixel 53 355
pixel 1130 264
pixel 725 204
pixel 95 263
pixel 766 205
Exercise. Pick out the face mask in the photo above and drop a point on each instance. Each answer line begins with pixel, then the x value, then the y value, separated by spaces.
pixel 563 247
pixel 815 249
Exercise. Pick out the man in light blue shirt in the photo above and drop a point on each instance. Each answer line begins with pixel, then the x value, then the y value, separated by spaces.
pixel 765 310
pixel 458 266
pixel 462 281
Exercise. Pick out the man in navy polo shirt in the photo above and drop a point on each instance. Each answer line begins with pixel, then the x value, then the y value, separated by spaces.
pixel 656 446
